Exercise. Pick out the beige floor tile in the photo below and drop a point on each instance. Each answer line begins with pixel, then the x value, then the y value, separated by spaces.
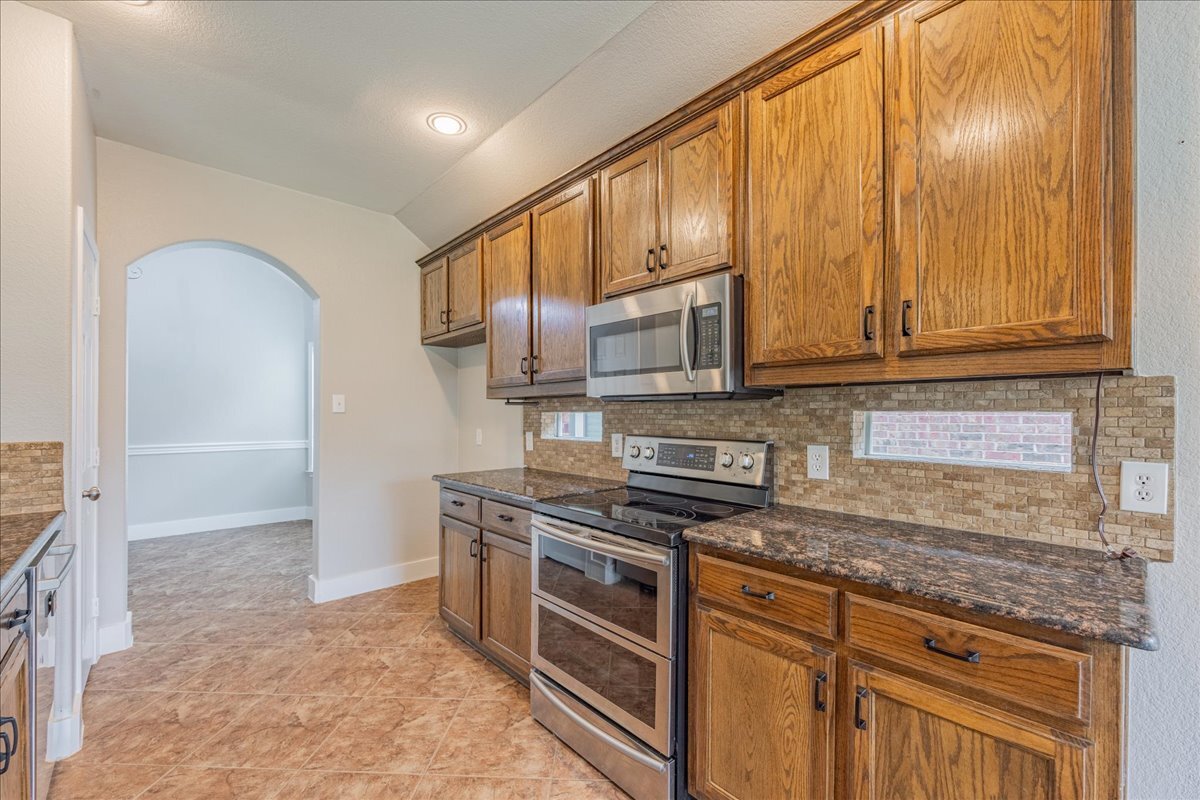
pixel 351 786
pixel 443 788
pixel 205 783
pixel 161 667
pixel 384 630
pixel 337 671
pixel 367 601
pixel 412 598
pixel 413 672
pixel 437 636
pixel 79 781
pixel 313 627
pixel 496 684
pixel 517 746
pixel 169 625
pixel 586 790
pixel 249 669
pixel 387 735
pixel 164 730
pixel 274 732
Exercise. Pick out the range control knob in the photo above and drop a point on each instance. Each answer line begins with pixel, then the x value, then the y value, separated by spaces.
pixel 747 461
pixel 727 459
pixel 649 453
pixel 634 451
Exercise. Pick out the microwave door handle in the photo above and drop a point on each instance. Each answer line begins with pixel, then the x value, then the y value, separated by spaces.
pixel 685 336
pixel 604 548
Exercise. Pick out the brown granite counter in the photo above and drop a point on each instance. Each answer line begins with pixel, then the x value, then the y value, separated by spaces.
pixel 1062 588
pixel 521 486
pixel 19 533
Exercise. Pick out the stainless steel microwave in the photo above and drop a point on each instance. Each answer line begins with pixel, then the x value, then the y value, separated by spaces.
pixel 681 341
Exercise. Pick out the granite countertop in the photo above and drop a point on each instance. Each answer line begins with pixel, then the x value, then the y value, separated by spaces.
pixel 524 486
pixel 1063 588
pixel 19 535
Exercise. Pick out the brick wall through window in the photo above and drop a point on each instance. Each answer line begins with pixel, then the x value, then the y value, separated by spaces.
pixel 1023 440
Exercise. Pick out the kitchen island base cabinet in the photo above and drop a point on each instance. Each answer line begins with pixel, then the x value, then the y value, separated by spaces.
pixel 15 720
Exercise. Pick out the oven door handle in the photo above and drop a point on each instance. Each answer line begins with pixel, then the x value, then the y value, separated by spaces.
pixel 55 583
pixel 604 548
pixel 685 336
pixel 590 727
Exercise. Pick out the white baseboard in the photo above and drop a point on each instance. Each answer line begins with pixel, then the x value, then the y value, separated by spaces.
pixel 322 591
pixel 178 527
pixel 114 638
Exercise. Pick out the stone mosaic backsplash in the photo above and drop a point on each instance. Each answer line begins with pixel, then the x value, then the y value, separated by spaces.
pixel 1137 422
pixel 31 477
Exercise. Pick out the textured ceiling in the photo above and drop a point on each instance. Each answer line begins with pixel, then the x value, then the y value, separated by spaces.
pixel 331 98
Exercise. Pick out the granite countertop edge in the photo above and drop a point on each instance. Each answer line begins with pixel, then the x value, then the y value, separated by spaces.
pixel 1142 637
pixel 47 525
pixel 534 484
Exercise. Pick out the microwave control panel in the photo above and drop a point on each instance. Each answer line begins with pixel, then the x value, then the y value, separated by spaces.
pixel 708 323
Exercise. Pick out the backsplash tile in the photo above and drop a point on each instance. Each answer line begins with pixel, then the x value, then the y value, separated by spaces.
pixel 31 477
pixel 1137 422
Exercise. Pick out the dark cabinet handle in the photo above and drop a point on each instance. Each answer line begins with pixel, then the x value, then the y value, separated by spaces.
pixel 662 256
pixel 869 323
pixel 760 595
pixel 524 371
pixel 483 552
pixel 905 323
pixel 505 517
pixel 650 260
pixel 8 746
pixel 450 315
pixel 818 703
pixel 533 367
pixel 860 694
pixel 458 503
pixel 474 548
pixel 17 619
pixel 971 656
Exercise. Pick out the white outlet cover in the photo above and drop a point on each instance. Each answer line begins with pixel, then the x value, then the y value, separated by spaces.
pixel 618 445
pixel 529 440
pixel 1144 487
pixel 818 462
pixel 479 437
pixel 339 404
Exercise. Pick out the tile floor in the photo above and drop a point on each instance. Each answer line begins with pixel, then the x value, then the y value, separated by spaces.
pixel 239 687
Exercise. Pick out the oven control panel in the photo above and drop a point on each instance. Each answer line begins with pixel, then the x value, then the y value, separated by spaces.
pixel 729 461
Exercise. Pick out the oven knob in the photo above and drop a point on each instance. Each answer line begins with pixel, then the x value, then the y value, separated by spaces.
pixel 634 451
pixel 649 452
pixel 747 462
pixel 727 460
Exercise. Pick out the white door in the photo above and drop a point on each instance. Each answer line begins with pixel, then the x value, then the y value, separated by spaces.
pixel 85 441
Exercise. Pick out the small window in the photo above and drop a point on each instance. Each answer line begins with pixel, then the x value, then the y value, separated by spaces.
pixel 1015 439
pixel 578 426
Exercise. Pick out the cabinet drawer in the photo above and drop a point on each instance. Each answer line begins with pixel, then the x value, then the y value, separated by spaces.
pixel 803 605
pixel 459 505
pixel 1041 676
pixel 509 520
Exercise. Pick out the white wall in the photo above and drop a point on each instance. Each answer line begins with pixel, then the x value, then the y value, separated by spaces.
pixel 501 425
pixel 217 344
pixel 375 507
pixel 1164 736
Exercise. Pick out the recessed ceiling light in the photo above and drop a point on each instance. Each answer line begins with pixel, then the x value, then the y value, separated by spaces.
pixel 445 123
pixel 136 2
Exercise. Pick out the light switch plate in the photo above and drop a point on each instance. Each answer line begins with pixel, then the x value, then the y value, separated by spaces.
pixel 618 445
pixel 479 437
pixel 339 404
pixel 818 462
pixel 529 440
pixel 1144 487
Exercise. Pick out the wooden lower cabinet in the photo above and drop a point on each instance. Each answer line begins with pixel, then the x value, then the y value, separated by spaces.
pixel 485 585
pixel 762 711
pixel 15 720
pixel 911 740
pixel 895 725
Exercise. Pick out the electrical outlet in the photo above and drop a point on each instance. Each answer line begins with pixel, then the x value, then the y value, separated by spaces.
pixel 339 404
pixel 479 437
pixel 1144 487
pixel 818 462
pixel 529 440
pixel 618 445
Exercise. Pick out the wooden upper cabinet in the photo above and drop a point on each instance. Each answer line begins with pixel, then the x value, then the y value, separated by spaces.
pixel 762 713
pixel 629 221
pixel 1004 208
pixel 433 299
pixel 815 284
pixel 912 740
pixel 698 168
pixel 563 283
pixel 465 280
pixel 506 259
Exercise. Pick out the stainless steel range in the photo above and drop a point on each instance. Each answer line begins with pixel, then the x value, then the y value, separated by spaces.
pixel 610 604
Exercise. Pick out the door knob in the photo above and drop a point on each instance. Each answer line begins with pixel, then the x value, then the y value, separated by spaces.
pixel 92 493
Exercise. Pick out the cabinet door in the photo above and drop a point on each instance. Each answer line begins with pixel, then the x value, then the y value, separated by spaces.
pixel 1003 226
pixel 698 186
pixel 913 741
pixel 506 605
pixel 465 279
pixel 506 260
pixel 629 221
pixel 816 207
pixel 762 712
pixel 562 283
pixel 15 719
pixel 433 299
pixel 459 585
